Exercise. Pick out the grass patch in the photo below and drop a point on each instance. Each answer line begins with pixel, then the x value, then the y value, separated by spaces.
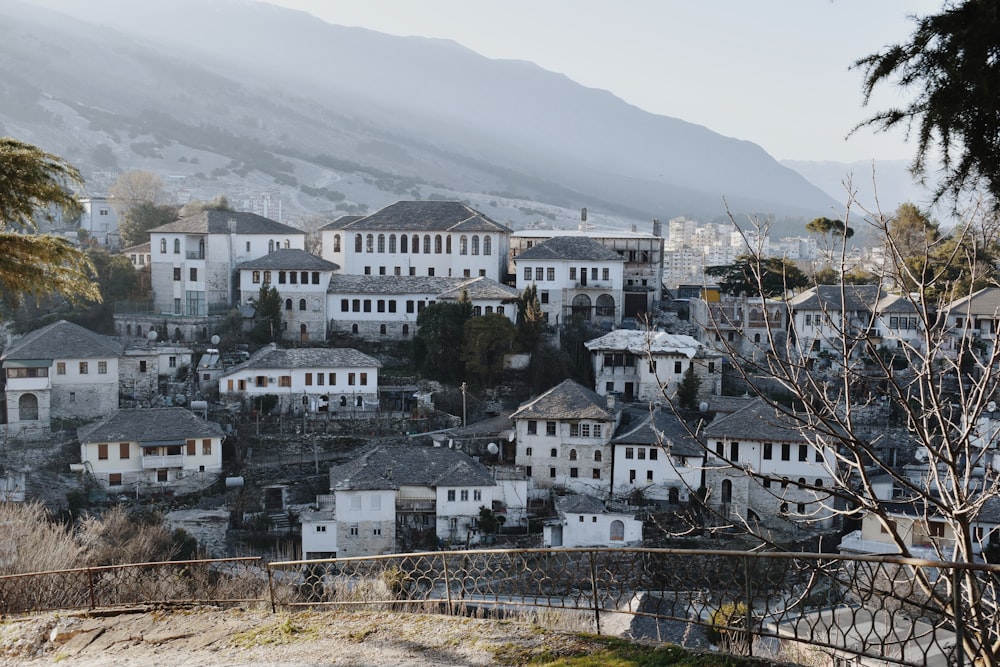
pixel 611 652
pixel 283 631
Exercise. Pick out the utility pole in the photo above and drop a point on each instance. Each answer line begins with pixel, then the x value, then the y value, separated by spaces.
pixel 464 387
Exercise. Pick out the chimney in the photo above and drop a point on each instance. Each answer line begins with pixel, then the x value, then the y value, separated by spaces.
pixel 656 228
pixel 583 214
pixel 611 402
pixel 634 229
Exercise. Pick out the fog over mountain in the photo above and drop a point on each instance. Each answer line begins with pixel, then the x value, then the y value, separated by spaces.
pixel 228 96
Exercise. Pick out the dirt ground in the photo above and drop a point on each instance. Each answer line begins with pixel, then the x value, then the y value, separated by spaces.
pixel 214 637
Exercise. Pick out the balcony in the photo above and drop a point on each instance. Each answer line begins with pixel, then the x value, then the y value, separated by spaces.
pixel 195 254
pixel 412 505
pixel 157 462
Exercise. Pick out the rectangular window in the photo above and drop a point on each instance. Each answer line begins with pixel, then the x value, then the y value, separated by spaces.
pixel 284 380
pixel 631 476
pixel 597 430
pixel 368 305
pixel 629 453
pixel 364 380
pixel 572 273
pixel 172 362
pixel 260 381
pixel 677 367
pixel 649 476
pixel 532 427
pixel 543 297
pixel 309 379
pixel 206 447
pixel 72 397
pixel 803 452
pixel 527 471
pixel 642 453
pixel 392 306
pixel 333 379
pixel 527 451
pixel 819 456
pixel 350 378
pixel 345 305
pixel 574 472
pixel 142 366
pixel 409 306
pixel 115 479
pixel 550 273
pixel 596 474
pixel 552 473
pixel 465 495
pixel 123 450
pixel 356 502
pixel 376 530
pixel 653 453
pixel 767 451
pixel 477 495
pixel 584 430
pixel 451 495
pixel 61 368
pixel 354 530
pixel 194 274
pixel 734 451
pixel 84 368
pixel 191 447
pixel 550 428
pixel 256 277
pixel 177 273
pixel 102 452
pixel 605 274
pixel 574 430
pixel 380 305
pixel 786 452
pixel 539 273
pixel 527 273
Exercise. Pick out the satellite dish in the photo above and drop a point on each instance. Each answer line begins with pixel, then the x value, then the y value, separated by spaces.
pixel 991 406
pixel 215 340
pixel 511 436
pixel 151 335
pixel 492 448
pixel 703 406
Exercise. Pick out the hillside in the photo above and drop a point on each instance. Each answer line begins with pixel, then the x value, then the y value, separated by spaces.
pixel 239 97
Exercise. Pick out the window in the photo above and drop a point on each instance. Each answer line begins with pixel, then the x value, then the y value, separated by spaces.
pixel 527 470
pixel 574 472
pixel 114 479
pixel 550 428
pixel 543 297
pixel 123 450
pixel 532 427
pixel 320 378
pixel 376 529
pixel 285 381
pixel 572 455
pixel 642 453
pixel 574 430
pixel 177 246
pixel 302 304
pixel 72 397
pixel 585 430
pixel 550 273
pixel 84 368
pixel 597 430
pixel 649 476
pixel 102 452
pixel 206 447
pixel 60 368
pixel 572 273
pixel 527 451
pixel 255 277
pixel 364 379
pixel 163 246
pixel 552 472
pixel 527 273
pixel 333 379
pixel 653 453
pixel 935 528
pixel 477 495
pixel 631 476
pixel 629 453
pixel 309 379
pixel 464 495
pixel 803 452
pixel 606 274
pixel 767 451
pixel 553 452
pixel 539 273
pixel 370 243
pixel 786 452
pixel 427 244
pixel 381 243
pixel 320 529
pixel 734 451
pixel 288 304
pixel 819 456
pixel 677 367
pixel 193 274
pixel 463 245
pixel 767 483
pixel 177 273
pixel 354 530
pixel 475 245
pixel 350 378
pixel 451 495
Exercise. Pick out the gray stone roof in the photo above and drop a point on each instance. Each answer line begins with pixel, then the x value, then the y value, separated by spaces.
pixel 217 222
pixel 144 248
pixel 756 421
pixel 661 428
pixel 567 400
pixel 424 216
pixel 341 222
pixel 893 303
pixel 62 340
pixel 149 425
pixel 984 302
pixel 441 286
pixel 579 504
pixel 389 467
pixel 289 259
pixel 570 247
pixel 479 288
pixel 829 297
pixel 306 357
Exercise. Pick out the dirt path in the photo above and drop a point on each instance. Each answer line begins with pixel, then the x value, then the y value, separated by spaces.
pixel 212 637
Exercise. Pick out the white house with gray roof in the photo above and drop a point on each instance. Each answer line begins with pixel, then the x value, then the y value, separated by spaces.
pixel 386 307
pixel 61 371
pixel 394 498
pixel 336 380
pixel 575 277
pixel 152 450
pixel 564 436
pixel 194 259
pixel 769 467
pixel 821 316
pixel 650 365
pixel 419 238
pixel 302 281
pixel 657 457
pixel 583 521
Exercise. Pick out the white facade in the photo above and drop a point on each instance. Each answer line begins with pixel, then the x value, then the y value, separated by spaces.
pixel 583 522
pixel 656 473
pixel 100 220
pixel 458 511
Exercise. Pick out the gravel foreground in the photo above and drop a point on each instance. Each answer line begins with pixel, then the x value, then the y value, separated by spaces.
pixel 215 637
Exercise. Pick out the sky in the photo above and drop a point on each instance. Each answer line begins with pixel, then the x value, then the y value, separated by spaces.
pixel 774 72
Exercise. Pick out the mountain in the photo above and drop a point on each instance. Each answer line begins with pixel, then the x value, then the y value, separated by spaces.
pixel 887 182
pixel 237 97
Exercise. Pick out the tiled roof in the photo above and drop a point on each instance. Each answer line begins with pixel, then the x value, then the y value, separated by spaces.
pixel 217 222
pixel 140 248
pixel 289 259
pixel 306 357
pixel 829 297
pixel 440 286
pixel 388 467
pixel 567 400
pixel 479 288
pixel 425 216
pixel 661 428
pixel 149 425
pixel 579 503
pixel 756 421
pixel 893 303
pixel 984 302
pixel 646 342
pixel 570 247
pixel 62 340
pixel 341 222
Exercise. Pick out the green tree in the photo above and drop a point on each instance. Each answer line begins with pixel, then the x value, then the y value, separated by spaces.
pixel 485 341
pixel 35 184
pixel 826 226
pixel 135 223
pixel 440 329
pixel 767 276
pixel 687 390
pixel 530 320
pixel 950 63
pixel 267 327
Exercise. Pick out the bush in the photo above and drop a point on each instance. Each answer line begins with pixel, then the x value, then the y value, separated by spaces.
pixel 728 626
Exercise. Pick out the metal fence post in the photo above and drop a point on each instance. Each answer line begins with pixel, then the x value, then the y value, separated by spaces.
pixel 956 603
pixel 270 587
pixel 93 592
pixel 447 582
pixel 593 591
pixel 749 598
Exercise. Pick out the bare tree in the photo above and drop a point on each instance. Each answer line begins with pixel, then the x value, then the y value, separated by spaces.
pixel 134 188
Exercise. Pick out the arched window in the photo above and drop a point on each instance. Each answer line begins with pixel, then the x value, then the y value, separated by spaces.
pixel 406 329
pixel 163 246
pixel 617 530
pixel 316 305
pixel 783 508
pixel 178 334
pixel 415 244
pixel 138 330
pixel 359 402
pixel 288 244
pixel 370 243
pixel 475 244
pixel 336 242
pixel 756 338
pixel 673 495
pixel 381 243
pixel 437 244
pixel 402 243
pixel 288 304
pixel 392 243
pixel 819 482
pixel 354 328
pixel 489 310
pixel 128 329
pixel 727 491
pixel 581 306
pixel 553 452
pixel 358 243
pixel 177 246
pixel 598 456
pixel 302 304
pixel 447 244
pixel 487 245
pixel 381 329
pixel 343 401
pixel 463 245
pixel 201 248
pixel 477 310
pixel 270 245
pixel 802 481
pixel 27 408
pixel 572 455
pixel 605 305
pixel 427 244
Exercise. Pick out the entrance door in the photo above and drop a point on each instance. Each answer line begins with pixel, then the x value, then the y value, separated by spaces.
pixel 629 392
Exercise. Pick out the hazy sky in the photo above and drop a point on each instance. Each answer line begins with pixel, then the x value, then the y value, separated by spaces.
pixel 775 72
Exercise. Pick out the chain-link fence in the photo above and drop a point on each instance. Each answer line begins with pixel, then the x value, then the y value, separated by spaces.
pixel 804 608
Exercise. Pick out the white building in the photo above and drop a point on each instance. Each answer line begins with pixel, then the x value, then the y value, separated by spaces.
pixel 582 521
pixel 139 255
pixel 821 316
pixel 576 277
pixel 564 436
pixel 99 220
pixel 152 450
pixel 739 325
pixel 336 380
pixel 419 238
